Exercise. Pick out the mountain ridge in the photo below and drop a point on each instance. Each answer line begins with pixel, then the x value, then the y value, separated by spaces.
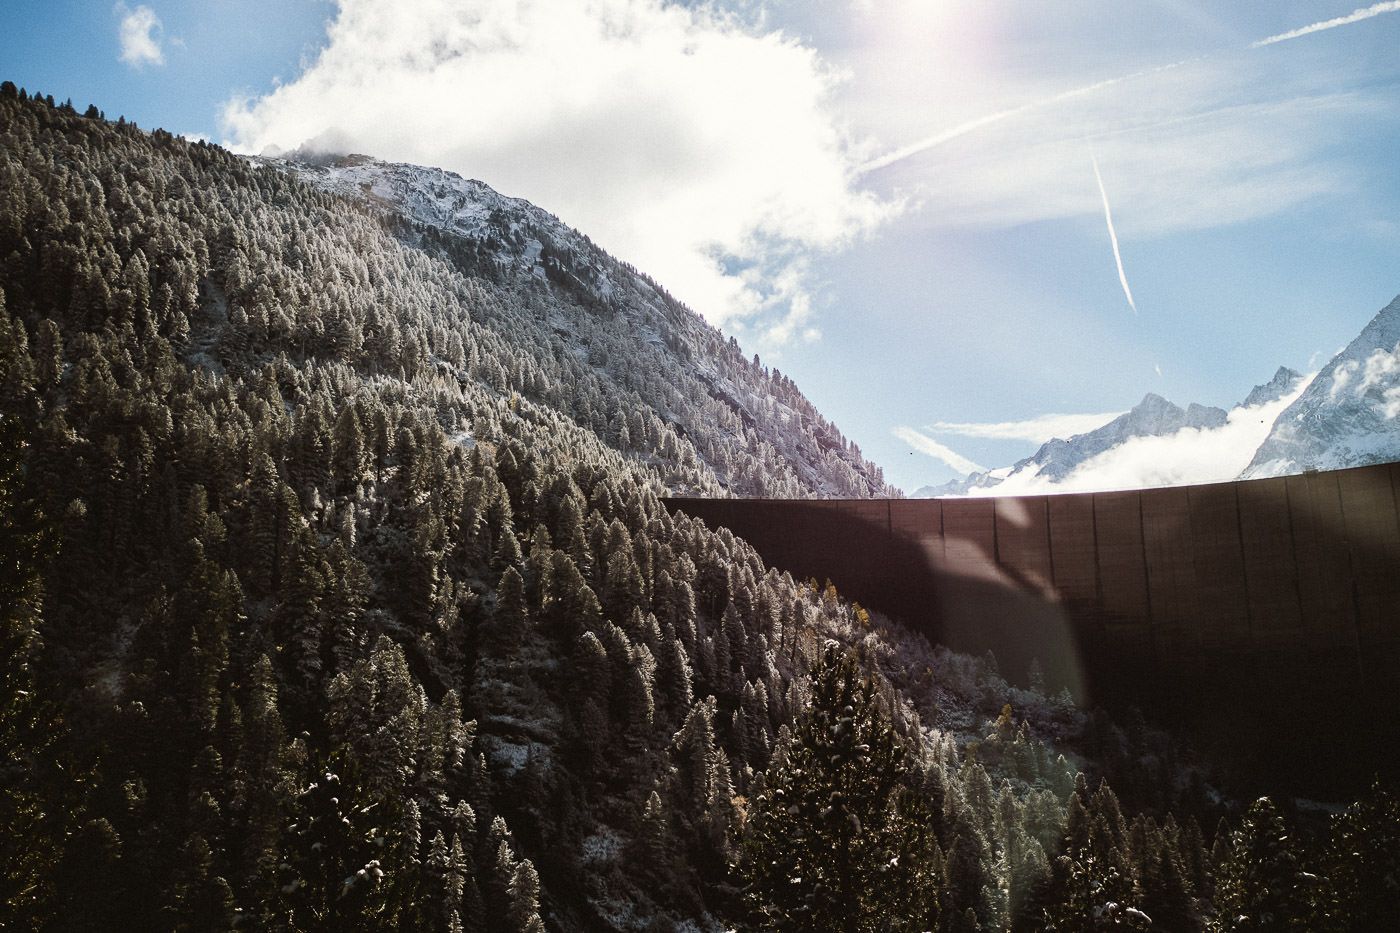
pixel 469 224
pixel 1154 416
pixel 1348 416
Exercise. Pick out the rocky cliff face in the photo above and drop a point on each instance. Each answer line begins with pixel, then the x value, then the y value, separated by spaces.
pixel 1284 381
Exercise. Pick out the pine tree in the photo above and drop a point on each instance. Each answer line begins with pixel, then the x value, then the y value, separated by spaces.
pixel 512 612
pixel 1091 896
pixel 41 799
pixel 837 840
pixel 523 914
pixel 653 845
pixel 203 899
pixel 673 676
pixel 1360 866
pixel 332 875
pixel 351 453
pixel 1261 886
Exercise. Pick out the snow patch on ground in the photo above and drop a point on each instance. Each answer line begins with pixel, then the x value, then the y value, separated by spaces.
pixel 510 757
pixel 603 846
pixel 471 209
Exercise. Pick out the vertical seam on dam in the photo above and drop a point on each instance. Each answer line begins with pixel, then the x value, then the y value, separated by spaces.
pixel 1347 538
pixel 1244 562
pixel 1146 578
pixel 1293 550
pixel 1098 575
pixel 996 542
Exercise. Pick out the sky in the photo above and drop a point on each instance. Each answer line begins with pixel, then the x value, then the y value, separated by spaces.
pixel 962 226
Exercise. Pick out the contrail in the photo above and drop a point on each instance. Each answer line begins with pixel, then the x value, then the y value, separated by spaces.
pixel 927 445
pixel 1113 235
pixel 1354 16
pixel 962 129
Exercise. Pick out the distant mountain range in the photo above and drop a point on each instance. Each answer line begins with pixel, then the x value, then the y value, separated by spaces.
pixel 1346 416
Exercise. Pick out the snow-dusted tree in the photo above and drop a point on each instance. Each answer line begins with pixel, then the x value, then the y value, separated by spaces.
pixel 838 839
pixel 1262 886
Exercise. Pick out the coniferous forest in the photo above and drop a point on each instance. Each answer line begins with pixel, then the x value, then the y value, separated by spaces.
pixel 338 594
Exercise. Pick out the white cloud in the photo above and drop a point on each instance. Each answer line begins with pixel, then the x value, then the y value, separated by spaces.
pixel 1036 430
pixel 695 146
pixel 1378 372
pixel 140 33
pixel 1191 455
pixel 927 445
pixel 1381 367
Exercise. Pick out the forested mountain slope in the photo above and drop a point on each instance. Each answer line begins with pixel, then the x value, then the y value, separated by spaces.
pixel 338 595
pixel 600 341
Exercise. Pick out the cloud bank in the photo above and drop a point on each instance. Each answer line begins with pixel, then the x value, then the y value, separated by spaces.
pixel 1036 430
pixel 1378 374
pixel 139 33
pixel 701 149
pixel 1191 455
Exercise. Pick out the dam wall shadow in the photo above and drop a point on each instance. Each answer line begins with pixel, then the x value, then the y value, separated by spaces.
pixel 1262 615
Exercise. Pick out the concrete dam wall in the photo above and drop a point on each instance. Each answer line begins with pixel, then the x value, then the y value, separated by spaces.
pixel 1278 599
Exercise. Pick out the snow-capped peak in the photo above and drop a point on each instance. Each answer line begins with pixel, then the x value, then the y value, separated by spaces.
pixel 1276 388
pixel 1349 415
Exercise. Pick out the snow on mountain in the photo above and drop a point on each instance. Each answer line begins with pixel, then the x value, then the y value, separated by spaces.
pixel 1348 416
pixel 961 487
pixel 1157 443
pixel 751 426
pixel 512 232
pixel 1284 381
pixel 1154 416
pixel 1057 458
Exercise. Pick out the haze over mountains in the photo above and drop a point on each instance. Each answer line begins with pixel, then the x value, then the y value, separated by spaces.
pixel 1345 415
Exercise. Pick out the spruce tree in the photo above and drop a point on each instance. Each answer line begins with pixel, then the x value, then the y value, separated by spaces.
pixel 1360 866
pixel 1261 885
pixel 39 795
pixel 838 839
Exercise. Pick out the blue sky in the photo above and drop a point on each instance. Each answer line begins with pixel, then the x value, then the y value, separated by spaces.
pixel 764 161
